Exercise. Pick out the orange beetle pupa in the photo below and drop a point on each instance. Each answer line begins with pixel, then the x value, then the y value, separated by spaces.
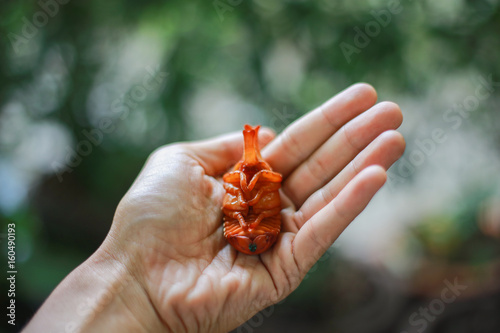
pixel 252 206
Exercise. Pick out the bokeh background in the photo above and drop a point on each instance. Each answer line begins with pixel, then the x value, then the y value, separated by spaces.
pixel 89 88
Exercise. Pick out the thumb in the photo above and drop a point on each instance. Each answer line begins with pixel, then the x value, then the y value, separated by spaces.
pixel 218 154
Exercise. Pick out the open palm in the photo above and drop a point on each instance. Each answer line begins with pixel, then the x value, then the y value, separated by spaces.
pixel 333 161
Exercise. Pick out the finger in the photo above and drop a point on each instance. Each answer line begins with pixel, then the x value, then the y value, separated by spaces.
pixel 217 155
pixel 318 234
pixel 383 151
pixel 328 160
pixel 305 135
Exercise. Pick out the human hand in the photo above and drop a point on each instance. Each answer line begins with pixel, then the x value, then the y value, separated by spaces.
pixel 167 231
pixel 172 213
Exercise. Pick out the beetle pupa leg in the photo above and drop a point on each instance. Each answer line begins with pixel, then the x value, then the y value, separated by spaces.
pixel 230 188
pixel 257 197
pixel 263 215
pixel 271 176
pixel 254 180
pixel 243 182
pixel 232 177
pixel 241 220
pixel 267 188
pixel 239 217
pixel 265 176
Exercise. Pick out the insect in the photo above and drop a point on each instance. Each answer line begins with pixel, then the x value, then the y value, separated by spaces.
pixel 252 205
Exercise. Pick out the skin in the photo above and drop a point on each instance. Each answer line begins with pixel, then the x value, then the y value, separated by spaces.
pixel 165 265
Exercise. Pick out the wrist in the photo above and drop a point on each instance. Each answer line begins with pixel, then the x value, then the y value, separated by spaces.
pixel 120 303
pixel 103 294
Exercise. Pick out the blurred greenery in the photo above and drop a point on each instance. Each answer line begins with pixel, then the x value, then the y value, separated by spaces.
pixel 65 66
